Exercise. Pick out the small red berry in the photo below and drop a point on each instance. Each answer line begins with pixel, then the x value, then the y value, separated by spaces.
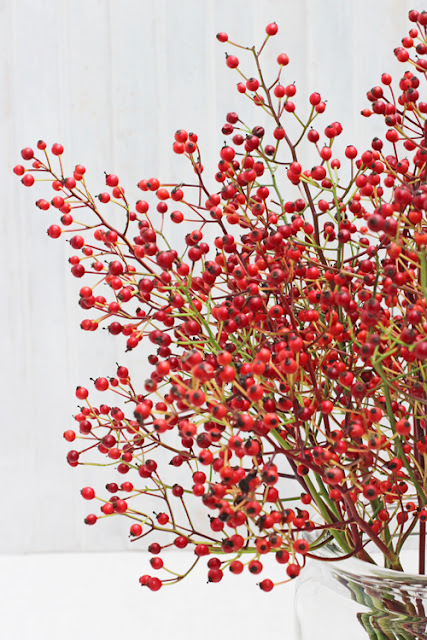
pixel 293 570
pixel 27 153
pixel 315 99
pixel 232 62
pixel 236 567
pixel 266 585
pixel 180 136
pixel 271 29
pixel 255 566
pixel 54 231
pixel 327 407
pixel 43 205
pixel 82 393
pixel 88 493
pixel 420 350
pixel 154 584
pixel 135 530
pixel 57 149
pixel 111 180
pixel 282 59
pixel 350 152
pixel 101 384
pixel 28 180
pixel 215 575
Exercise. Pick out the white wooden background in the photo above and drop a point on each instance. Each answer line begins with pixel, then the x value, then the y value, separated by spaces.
pixel 113 80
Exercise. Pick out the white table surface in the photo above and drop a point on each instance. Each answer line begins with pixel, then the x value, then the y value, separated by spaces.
pixel 97 595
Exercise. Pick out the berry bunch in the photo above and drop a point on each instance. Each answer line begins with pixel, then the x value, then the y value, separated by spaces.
pixel 293 346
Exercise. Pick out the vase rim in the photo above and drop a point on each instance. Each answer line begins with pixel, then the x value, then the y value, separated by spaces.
pixel 357 566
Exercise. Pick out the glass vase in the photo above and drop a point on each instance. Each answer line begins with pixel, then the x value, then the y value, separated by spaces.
pixel 355 600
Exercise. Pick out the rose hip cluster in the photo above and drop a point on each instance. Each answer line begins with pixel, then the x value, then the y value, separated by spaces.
pixel 293 346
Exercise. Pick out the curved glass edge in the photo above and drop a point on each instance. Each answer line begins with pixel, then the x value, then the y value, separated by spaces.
pixel 357 567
